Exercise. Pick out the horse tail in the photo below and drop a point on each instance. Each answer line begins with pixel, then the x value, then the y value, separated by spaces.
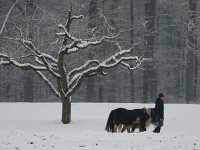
pixel 110 124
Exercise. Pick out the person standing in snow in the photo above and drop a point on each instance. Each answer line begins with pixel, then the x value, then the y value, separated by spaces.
pixel 159 110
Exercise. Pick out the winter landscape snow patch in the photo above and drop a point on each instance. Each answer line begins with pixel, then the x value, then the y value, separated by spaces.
pixel 37 126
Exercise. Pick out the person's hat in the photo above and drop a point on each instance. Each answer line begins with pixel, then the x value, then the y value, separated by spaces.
pixel 161 95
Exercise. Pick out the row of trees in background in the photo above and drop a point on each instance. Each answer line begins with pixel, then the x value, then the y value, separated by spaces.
pixel 169 34
pixel 166 31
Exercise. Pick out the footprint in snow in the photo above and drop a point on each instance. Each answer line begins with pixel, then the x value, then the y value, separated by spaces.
pixel 17 148
pixel 7 143
pixel 31 142
pixel 82 145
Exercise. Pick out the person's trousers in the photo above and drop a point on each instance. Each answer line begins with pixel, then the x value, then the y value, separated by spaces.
pixel 158 126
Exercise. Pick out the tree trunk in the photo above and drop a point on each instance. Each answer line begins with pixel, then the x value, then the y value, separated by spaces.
pixel 28 87
pixel 132 80
pixel 149 77
pixel 191 68
pixel 91 94
pixel 66 111
pixel 28 77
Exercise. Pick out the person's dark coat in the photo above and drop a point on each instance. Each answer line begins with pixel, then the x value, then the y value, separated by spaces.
pixel 159 109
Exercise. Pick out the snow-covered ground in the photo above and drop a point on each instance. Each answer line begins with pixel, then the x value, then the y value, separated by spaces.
pixel 25 126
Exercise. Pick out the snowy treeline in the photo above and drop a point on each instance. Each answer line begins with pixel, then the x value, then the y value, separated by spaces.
pixel 167 31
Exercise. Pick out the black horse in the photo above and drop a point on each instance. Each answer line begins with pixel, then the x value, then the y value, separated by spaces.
pixel 122 119
pixel 152 119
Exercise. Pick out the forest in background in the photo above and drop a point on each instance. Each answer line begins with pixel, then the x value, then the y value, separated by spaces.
pixel 167 31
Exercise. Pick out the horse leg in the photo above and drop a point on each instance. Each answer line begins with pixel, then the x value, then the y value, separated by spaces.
pixel 142 127
pixel 120 127
pixel 115 128
pixel 129 129
pixel 133 128
pixel 124 128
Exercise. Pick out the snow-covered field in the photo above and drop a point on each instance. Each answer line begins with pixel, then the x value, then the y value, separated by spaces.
pixel 25 126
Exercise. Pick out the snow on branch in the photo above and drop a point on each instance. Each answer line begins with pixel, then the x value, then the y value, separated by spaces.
pixel 66 33
pixel 30 45
pixel 83 67
pixel 85 44
pixel 80 43
pixel 76 75
pixel 49 83
pixel 32 48
pixel 6 60
pixel 40 57
pixel 43 57
pixel 76 17
pixel 70 18
pixel 49 57
pixel 75 43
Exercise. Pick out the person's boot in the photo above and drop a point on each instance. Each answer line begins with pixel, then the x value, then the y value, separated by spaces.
pixel 156 130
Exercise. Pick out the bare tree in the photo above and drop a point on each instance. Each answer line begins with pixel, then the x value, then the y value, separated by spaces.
pixel 54 71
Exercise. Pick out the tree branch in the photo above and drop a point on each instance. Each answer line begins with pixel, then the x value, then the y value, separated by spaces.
pixel 50 85
pixel 83 67
pixel 77 44
pixel 28 66
pixel 7 16
pixel 5 59
pixel 40 58
pixel 75 76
